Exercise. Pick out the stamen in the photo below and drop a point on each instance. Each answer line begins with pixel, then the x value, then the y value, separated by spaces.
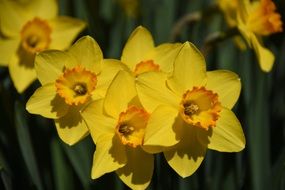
pixel 80 89
pixel 190 108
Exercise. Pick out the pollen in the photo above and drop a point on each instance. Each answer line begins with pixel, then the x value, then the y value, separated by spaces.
pixel 200 107
pixel 76 85
pixel 131 126
pixel 36 35
pixel 145 66
pixel 263 18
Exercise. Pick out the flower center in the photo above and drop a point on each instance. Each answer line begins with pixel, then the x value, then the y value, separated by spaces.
pixel 200 107
pixel 145 66
pixel 131 126
pixel 263 19
pixel 76 85
pixel 35 35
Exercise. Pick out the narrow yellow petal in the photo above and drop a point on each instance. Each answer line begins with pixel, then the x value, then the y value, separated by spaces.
pixel 137 173
pixel 152 91
pixel 64 31
pixel 164 127
pixel 138 45
pixel 164 56
pixel 88 53
pixel 265 56
pixel 96 120
pixel 43 8
pixel 226 84
pixel 8 47
pixel 71 128
pixel 189 70
pixel 227 136
pixel 109 156
pixel 109 69
pixel 50 65
pixel 21 68
pixel 186 157
pixel 121 91
pixel 47 103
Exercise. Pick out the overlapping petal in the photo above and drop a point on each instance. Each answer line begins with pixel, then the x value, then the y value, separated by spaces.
pixel 138 45
pixel 54 62
pixel 227 136
pixel 189 70
pixel 7 48
pixel 115 102
pixel 152 91
pixel 164 56
pixel 96 120
pixel 186 157
pixel 64 31
pixel 47 103
pixel 226 84
pixel 71 128
pixel 87 53
pixel 137 173
pixel 164 127
pixel 109 155
pixel 22 71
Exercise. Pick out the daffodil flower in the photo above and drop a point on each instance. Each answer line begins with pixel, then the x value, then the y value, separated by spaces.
pixel 257 19
pixel 229 9
pixel 141 56
pixel 70 80
pixel 28 28
pixel 117 125
pixel 191 111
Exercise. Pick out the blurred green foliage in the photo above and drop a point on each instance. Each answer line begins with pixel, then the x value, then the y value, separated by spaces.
pixel 33 157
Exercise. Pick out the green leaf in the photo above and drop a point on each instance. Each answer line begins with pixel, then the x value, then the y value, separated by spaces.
pixel 62 172
pixel 25 144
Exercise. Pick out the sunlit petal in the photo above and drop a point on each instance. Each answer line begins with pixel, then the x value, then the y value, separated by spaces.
pixel 47 103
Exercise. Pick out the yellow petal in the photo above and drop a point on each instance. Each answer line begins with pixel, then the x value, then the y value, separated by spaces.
pixel 50 65
pixel 137 173
pixel 8 47
pixel 43 8
pixel 109 69
pixel 227 136
pixel 226 84
pixel 152 91
pixel 121 91
pixel 138 45
pixel 47 103
pixel 164 127
pixel 109 156
pixel 96 120
pixel 21 68
pixel 71 128
pixel 265 56
pixel 87 53
pixel 64 31
pixel 12 18
pixel 186 157
pixel 14 14
pixel 164 56
pixel 189 70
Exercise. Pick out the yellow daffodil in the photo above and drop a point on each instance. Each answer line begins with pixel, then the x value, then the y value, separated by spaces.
pixel 191 111
pixel 230 10
pixel 70 80
pixel 257 19
pixel 117 125
pixel 29 27
pixel 140 54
